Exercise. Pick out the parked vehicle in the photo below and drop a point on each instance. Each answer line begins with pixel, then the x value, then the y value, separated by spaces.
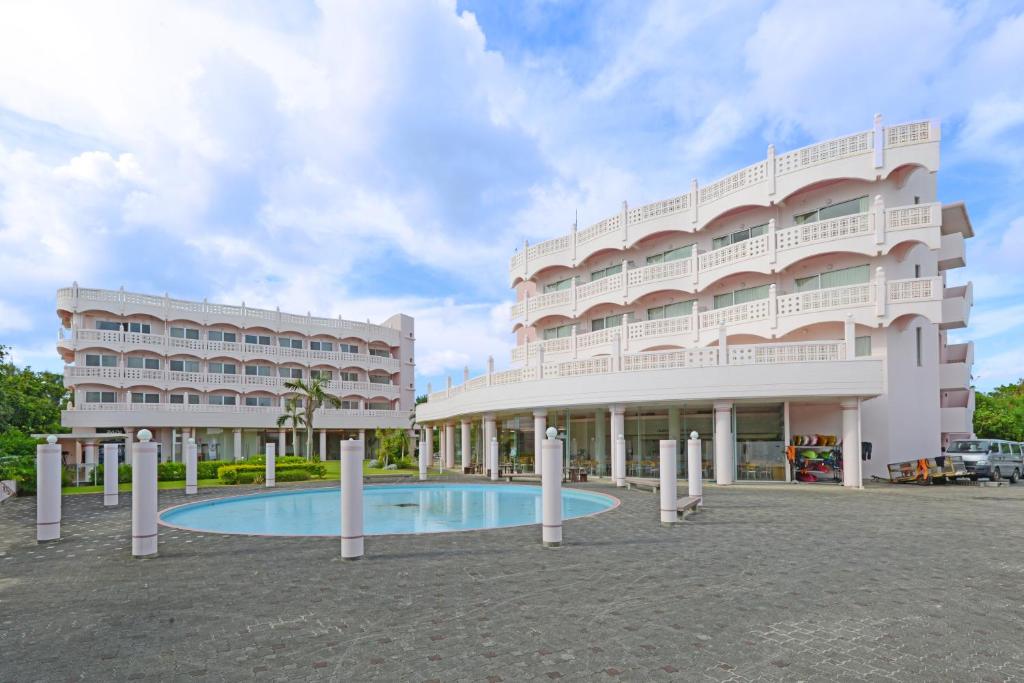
pixel 993 459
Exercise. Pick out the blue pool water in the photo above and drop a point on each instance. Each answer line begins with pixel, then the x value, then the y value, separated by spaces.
pixel 391 509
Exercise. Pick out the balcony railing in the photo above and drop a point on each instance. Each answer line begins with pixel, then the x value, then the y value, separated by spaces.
pixel 205 408
pixel 167 346
pixel 766 247
pixel 763 174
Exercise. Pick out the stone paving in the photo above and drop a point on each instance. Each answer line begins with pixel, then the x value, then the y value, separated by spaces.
pixel 772 582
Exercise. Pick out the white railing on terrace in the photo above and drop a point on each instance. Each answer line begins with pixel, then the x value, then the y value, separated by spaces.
pixel 205 408
pixel 72 298
pixel 175 345
pixel 75 374
pixel 874 141
pixel 818 232
pixel 739 313
pixel 752 354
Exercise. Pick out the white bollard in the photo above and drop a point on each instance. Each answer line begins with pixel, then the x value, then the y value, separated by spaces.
pixel 619 461
pixel 191 468
pixel 423 461
pixel 144 496
pixel 270 468
pixel 351 499
pixel 667 473
pixel 551 489
pixel 494 458
pixel 48 490
pixel 695 468
pixel 110 475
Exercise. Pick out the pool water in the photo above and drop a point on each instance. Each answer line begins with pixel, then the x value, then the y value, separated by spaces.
pixel 387 509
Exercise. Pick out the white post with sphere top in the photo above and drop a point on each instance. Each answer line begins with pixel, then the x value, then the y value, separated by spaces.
pixel 352 499
pixel 48 504
pixel 667 472
pixel 551 490
pixel 110 475
pixel 144 496
pixel 191 468
pixel 695 468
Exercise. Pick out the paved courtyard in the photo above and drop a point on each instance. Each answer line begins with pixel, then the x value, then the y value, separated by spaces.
pixel 770 583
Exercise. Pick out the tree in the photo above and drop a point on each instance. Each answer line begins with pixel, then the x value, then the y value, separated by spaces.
pixel 29 401
pixel 391 445
pixel 999 414
pixel 314 396
pixel 294 415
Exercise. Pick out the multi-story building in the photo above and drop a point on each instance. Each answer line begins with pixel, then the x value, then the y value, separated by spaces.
pixel 802 299
pixel 217 373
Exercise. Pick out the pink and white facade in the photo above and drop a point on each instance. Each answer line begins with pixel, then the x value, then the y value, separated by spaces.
pixel 803 295
pixel 216 373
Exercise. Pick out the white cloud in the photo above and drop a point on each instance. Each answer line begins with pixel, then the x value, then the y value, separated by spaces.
pixel 12 318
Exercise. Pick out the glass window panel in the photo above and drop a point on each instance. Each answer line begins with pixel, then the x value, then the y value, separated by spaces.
pixel 92 397
pixel 108 326
pixel 92 360
pixel 177 399
pixel 108 397
pixel 720 242
pixel 808 217
pixel 284 341
pixel 742 296
pixel 349 377
pixel 807 284
pixel 152 363
pixel 134 362
pixel 723 300
pixel 855 275
pixel 759 230
pixel 557 286
pixel 656 313
pixel 679 308
pixel 851 206
pixel 862 346
pixel 656 258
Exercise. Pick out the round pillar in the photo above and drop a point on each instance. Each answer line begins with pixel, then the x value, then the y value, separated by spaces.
pixel 323 445
pixel 695 468
pixel 423 456
pixel 270 469
pixel 551 490
pixel 725 460
pixel 110 475
pixel 352 499
pixel 667 489
pixel 48 503
pixel 467 446
pixel 191 468
pixel 238 445
pixel 851 444
pixel 494 459
pixel 144 496
pixel 619 461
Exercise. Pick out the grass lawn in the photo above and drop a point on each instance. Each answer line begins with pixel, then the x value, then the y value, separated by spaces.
pixel 333 469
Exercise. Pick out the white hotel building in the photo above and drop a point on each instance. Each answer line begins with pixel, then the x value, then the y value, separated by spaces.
pixel 216 373
pixel 803 298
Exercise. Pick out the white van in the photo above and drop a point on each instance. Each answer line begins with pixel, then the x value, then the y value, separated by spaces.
pixel 993 459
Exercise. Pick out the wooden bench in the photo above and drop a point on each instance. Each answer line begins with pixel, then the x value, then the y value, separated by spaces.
pixel 688 504
pixel 649 484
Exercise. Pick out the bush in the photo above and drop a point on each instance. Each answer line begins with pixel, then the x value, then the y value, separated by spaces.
pixel 403 464
pixel 278 460
pixel 170 471
pixel 249 473
pixel 374 464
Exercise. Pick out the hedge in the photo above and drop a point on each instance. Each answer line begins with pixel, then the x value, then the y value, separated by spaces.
pixel 170 471
pixel 247 474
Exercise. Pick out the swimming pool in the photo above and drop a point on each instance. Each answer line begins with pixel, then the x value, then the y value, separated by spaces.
pixel 387 509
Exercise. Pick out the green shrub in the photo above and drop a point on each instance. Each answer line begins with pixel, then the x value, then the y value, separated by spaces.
pixel 403 463
pixel 170 471
pixel 293 475
pixel 248 473
pixel 124 474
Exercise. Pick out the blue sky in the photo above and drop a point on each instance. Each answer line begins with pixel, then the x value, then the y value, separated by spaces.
pixel 364 158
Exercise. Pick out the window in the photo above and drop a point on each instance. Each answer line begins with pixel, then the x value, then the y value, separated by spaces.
pixel 184 366
pixel 321 346
pixel 184 333
pixel 260 401
pixel 670 310
pixel 862 346
pixel 739 236
pixel 95 360
pixel 258 370
pixel 348 348
pixel 219 400
pixel 379 405
pixel 219 368
pixel 851 206
pixel 917 333
pixel 142 328
pixel 176 399
pixel 383 353
pixel 558 286
pixel 108 326
pixel 327 375
pixel 217 335
pixel 289 343
pixel 140 362
pixel 917 270
pixel 349 376
pixel 290 373
pixel 350 405
pixel 606 322
pixel 193 399
pixel 855 275
pixel 380 379
pixel 741 296
pixel 139 397
pixel 671 255
pixel 558 332
pixel 262 340
pixel 100 397
pixel 605 272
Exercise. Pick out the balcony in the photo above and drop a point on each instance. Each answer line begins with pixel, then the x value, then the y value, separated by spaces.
pixel 956 306
pixel 199 381
pixel 954 376
pixel 951 253
pixel 867 233
pixel 154 415
pixel 168 346
pixel 119 302
pixel 864 155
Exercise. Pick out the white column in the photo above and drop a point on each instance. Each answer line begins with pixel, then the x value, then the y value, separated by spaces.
pixel 695 474
pixel 442 447
pixel 352 452
pixel 282 444
pixel 449 444
pixel 144 497
pixel 129 445
pixel 467 446
pixel 295 444
pixel 90 458
pixel 851 443
pixel 430 445
pixel 619 461
pixel 110 475
pixel 423 454
pixel 667 471
pixel 540 424
pixel 323 445
pixel 490 432
pixel 551 490
pixel 494 459
pixel 600 441
pixel 725 460
pixel 238 445
pixel 191 478
pixel 270 469
pixel 48 503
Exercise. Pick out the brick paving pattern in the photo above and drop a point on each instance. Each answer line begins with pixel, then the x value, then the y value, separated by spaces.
pixel 799 583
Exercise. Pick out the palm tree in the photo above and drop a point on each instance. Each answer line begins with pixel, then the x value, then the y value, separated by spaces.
pixel 314 395
pixel 294 415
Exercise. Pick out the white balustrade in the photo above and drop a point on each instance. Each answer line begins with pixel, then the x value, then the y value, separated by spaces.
pixel 825 299
pixel 824 231
pixel 658 272
pixel 611 283
pixel 822 152
pixel 732 183
pixel 913 216
pixel 740 313
pixel 914 289
pixel 740 251
pixel 662 327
